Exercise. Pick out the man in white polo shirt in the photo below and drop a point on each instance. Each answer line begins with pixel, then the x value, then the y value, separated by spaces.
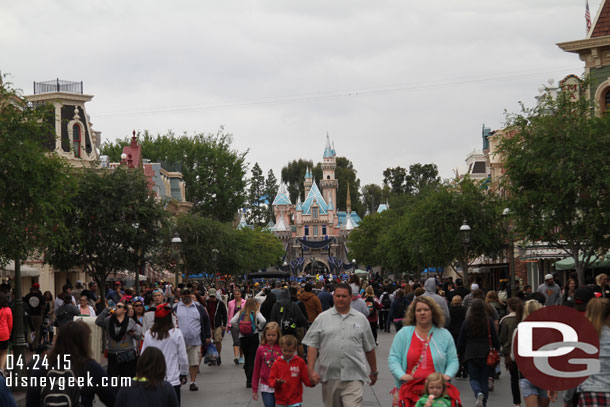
pixel 342 342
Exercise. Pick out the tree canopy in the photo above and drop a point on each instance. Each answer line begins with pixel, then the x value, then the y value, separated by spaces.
pixel 213 171
pixel 35 187
pixel 114 224
pixel 557 176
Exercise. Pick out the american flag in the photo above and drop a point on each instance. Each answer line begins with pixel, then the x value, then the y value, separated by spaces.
pixel 588 17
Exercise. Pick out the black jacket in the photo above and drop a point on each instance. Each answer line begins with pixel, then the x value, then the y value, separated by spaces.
pixel 469 347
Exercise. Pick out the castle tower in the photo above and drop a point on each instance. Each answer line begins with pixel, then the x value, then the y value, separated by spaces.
pixel 328 183
pixel 308 181
pixel 74 138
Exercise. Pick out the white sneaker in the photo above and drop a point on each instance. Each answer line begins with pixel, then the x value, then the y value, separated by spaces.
pixel 479 402
pixel 490 384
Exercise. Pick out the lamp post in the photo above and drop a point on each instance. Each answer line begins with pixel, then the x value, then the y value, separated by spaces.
pixel 465 236
pixel 511 253
pixel 136 226
pixel 215 267
pixel 177 245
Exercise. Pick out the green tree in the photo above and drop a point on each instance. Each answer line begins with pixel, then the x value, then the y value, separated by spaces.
pixel 256 197
pixel 373 195
pixel 35 189
pixel 214 172
pixel 396 179
pixel 558 176
pixel 115 224
pixel 293 174
pixel 431 225
pixel 271 188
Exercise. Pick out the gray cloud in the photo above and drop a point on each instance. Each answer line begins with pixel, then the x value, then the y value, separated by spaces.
pixel 393 82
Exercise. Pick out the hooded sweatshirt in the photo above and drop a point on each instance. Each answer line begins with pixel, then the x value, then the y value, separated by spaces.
pixel 430 287
pixel 312 305
pixel 294 373
pixel 284 305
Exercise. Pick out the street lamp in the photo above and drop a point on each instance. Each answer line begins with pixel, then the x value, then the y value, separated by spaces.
pixel 136 226
pixel 465 236
pixel 511 253
pixel 177 244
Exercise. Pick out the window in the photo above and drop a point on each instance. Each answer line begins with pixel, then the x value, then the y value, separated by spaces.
pixel 324 230
pixel 328 177
pixel 306 230
pixel 76 140
pixel 607 102
pixel 315 230
pixel 315 212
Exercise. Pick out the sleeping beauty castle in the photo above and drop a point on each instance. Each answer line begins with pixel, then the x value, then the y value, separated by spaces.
pixel 313 231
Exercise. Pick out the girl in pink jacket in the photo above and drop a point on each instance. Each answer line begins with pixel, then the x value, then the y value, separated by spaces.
pixel 234 309
pixel 267 353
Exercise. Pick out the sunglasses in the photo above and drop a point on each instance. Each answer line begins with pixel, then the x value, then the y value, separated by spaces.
pixel 138 305
pixel 120 306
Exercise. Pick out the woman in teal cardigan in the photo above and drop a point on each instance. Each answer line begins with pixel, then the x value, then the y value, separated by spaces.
pixel 423 321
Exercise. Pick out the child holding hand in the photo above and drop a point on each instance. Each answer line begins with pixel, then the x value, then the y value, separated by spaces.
pixel 288 374
pixel 266 355
pixel 435 394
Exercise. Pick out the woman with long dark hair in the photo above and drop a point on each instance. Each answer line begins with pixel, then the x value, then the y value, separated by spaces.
pixel 48 318
pixel 121 332
pixel 72 352
pixel 149 387
pixel 170 341
pixel 473 346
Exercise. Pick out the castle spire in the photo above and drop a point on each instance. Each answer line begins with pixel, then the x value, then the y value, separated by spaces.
pixel 348 201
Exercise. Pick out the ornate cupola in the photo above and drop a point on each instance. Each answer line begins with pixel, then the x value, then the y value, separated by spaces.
pixel 74 138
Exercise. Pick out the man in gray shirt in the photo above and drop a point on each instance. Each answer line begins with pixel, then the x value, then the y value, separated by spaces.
pixel 551 291
pixel 341 340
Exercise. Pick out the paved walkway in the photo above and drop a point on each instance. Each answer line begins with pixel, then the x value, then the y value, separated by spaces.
pixel 226 385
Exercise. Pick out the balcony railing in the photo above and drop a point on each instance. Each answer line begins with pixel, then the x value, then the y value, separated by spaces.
pixel 58 85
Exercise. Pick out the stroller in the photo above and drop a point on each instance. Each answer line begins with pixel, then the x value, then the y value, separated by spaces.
pixel 411 392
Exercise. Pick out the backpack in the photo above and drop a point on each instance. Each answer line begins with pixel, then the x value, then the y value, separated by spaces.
pixel 246 325
pixel 370 304
pixel 288 323
pixel 60 391
pixel 386 301
pixel 401 308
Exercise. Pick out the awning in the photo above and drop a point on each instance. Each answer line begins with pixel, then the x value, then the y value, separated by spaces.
pixel 316 244
pixel 569 264
pixel 26 270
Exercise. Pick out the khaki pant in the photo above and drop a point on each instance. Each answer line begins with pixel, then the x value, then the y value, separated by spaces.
pixel 337 393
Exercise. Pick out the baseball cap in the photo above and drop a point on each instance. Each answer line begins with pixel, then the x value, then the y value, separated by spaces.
pixel 212 292
pixel 549 277
pixel 117 283
pixel 474 286
pixel 35 285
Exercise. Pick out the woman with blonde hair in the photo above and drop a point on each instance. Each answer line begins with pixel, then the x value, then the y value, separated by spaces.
pixel 373 304
pixel 533 395
pixel 249 321
pixel 422 346
pixel 596 389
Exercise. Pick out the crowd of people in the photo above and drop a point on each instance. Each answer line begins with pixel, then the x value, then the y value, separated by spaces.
pixel 287 335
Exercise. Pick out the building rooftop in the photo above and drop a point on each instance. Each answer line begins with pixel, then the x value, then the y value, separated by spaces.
pixel 58 85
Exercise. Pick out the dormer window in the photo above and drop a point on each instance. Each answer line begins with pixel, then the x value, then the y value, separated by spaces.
pixel 76 140
pixel 315 212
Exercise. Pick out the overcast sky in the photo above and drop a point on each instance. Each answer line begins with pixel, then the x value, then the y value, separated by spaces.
pixel 392 82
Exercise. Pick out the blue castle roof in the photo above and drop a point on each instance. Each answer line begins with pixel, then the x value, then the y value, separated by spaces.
pixel 282 197
pixel 342 215
pixel 329 152
pixel 314 195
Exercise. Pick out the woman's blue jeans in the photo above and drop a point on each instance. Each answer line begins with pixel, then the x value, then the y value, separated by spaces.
pixel 478 374
pixel 268 399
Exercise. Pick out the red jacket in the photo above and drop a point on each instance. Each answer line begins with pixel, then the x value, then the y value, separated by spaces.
pixel 294 373
pixel 6 323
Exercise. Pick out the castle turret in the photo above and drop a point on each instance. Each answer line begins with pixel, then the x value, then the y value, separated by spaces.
pixel 308 181
pixel 329 184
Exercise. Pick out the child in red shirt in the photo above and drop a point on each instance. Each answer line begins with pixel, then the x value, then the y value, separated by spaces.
pixel 288 374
